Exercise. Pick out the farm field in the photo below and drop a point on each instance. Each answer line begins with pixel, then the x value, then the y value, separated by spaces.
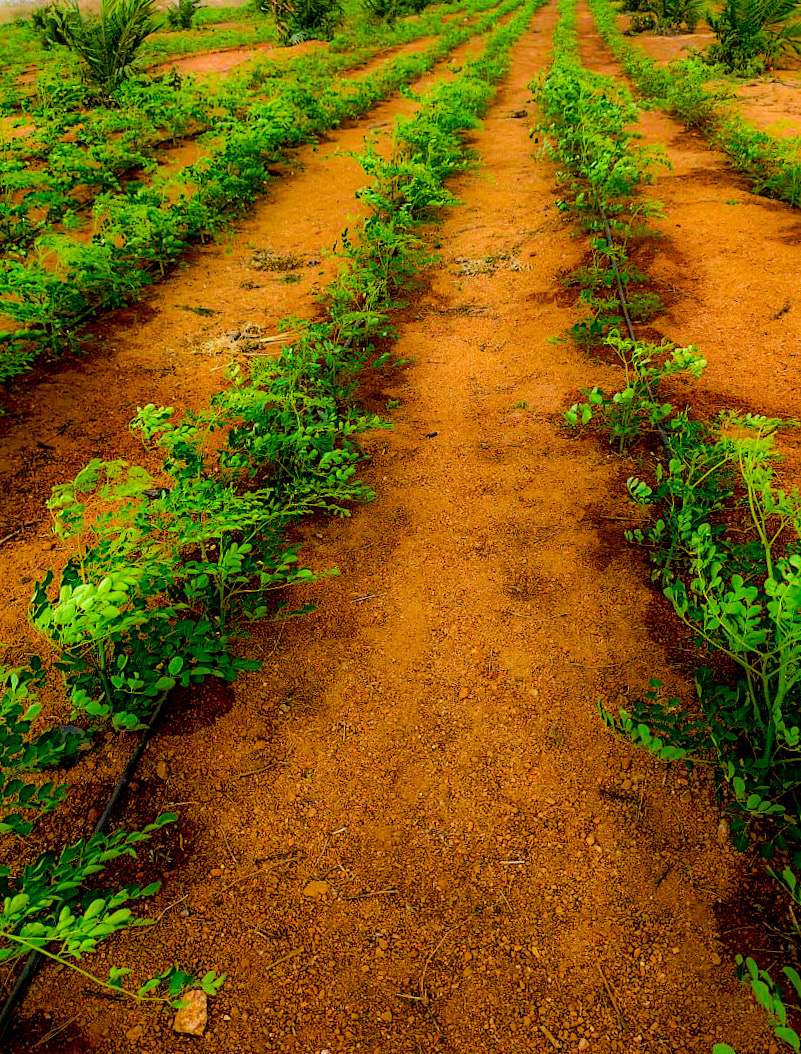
pixel 373 280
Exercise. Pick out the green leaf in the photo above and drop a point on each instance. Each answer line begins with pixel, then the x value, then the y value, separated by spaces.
pixel 789 1036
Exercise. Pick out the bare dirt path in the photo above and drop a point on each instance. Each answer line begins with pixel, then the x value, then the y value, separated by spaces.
pixel 409 832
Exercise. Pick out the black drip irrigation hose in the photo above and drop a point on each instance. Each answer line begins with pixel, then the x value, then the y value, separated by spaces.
pixel 621 295
pixel 36 958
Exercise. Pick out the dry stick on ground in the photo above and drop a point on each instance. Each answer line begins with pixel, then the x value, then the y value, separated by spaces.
pixel 283 959
pixel 54 1032
pixel 372 893
pixel 242 878
pixel 255 772
pixel 228 846
pixel 620 1018
pixel 423 997
pixel 549 1035
pixel 174 904
pixel 16 531
pixel 277 641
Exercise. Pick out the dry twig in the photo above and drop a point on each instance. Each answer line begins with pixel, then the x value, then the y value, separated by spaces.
pixel 283 959
pixel 372 893
pixel 620 1018
pixel 549 1035
pixel 445 936
pixel 54 1032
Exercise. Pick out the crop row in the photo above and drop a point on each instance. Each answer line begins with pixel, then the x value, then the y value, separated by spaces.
pixel 772 166
pixel 722 537
pixel 165 568
pixel 61 283
pixel 73 151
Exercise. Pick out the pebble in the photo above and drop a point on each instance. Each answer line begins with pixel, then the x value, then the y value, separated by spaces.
pixel 133 1035
pixel 162 770
pixel 387 1016
pixel 283 708
pixel 193 1016
pixel 316 889
pixel 216 872
pixel 583 1043
pixel 723 832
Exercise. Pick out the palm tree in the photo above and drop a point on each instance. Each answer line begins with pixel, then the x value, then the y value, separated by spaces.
pixel 751 33
pixel 107 44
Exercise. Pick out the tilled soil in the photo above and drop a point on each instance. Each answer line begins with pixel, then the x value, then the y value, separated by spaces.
pixel 410 832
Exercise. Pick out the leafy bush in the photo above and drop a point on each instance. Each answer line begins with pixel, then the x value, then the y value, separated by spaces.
pixel 725 542
pixel 381 10
pixel 299 20
pixel 666 16
pixel 642 22
pixel 181 14
pixel 635 409
pixel 48 22
pixel 751 34
pixel 390 10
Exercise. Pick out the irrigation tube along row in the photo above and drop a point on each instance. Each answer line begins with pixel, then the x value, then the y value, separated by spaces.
pixel 624 306
pixel 36 958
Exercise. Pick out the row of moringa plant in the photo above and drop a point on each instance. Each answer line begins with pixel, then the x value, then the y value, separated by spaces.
pixel 587 122
pixel 143 110
pixel 57 286
pixel 682 88
pixel 723 537
pixel 166 570
pixel 73 151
